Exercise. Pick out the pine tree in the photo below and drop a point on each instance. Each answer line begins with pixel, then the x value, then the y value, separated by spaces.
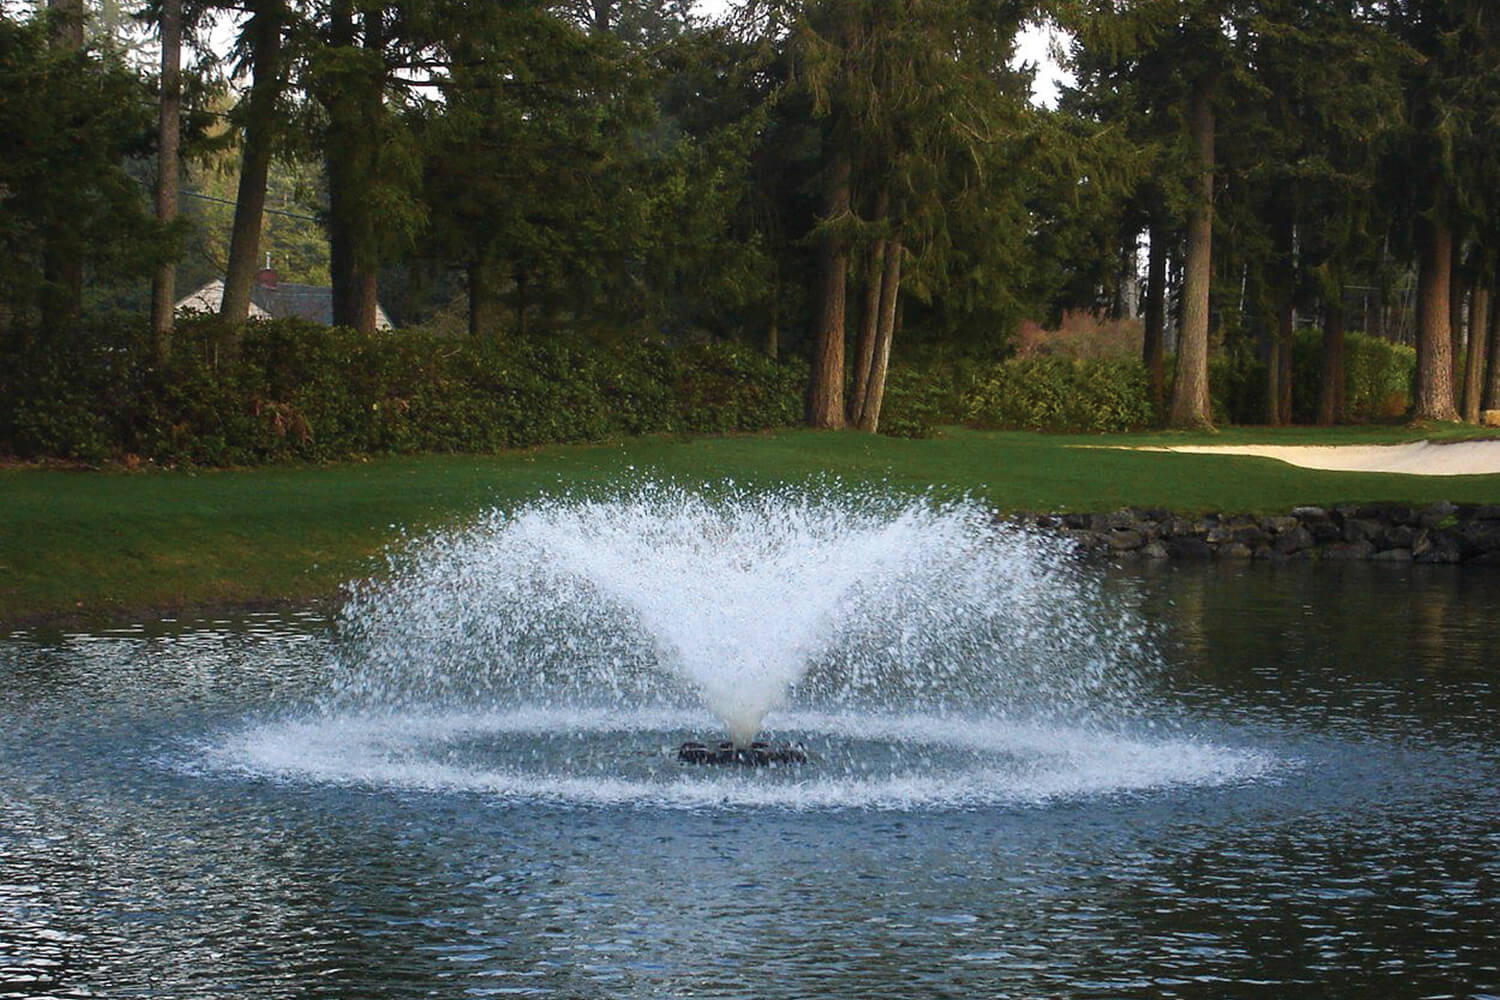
pixel 1444 168
pixel 168 169
pixel 916 113
pixel 1189 63
pixel 260 119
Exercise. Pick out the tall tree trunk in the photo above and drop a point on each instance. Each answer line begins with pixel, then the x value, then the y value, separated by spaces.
pixel 1278 348
pixel 1458 294
pixel 1490 398
pixel 522 278
pixel 1284 379
pixel 62 265
pixel 267 21
pixel 772 342
pixel 885 333
pixel 168 166
pixel 354 104
pixel 1331 387
pixel 825 391
pixel 1284 239
pixel 1191 407
pixel 1434 337
pixel 366 294
pixel 340 147
pixel 869 320
pixel 1479 318
pixel 1154 340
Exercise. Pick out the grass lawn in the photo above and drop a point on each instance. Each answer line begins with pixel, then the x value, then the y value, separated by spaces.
pixel 97 545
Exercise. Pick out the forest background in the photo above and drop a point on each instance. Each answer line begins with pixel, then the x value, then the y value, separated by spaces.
pixel 603 217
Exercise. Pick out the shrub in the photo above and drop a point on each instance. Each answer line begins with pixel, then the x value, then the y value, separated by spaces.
pixel 1378 379
pixel 1057 394
pixel 916 402
pixel 71 397
pixel 1080 334
pixel 300 391
pixel 1237 388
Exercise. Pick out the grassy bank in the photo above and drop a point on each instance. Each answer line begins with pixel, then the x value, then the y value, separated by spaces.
pixel 78 544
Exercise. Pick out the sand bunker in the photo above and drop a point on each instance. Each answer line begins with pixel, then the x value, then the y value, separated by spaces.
pixel 1418 458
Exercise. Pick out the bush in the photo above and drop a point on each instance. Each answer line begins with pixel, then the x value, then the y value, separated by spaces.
pixel 1057 394
pixel 1237 388
pixel 1378 381
pixel 916 402
pixel 70 398
pixel 300 391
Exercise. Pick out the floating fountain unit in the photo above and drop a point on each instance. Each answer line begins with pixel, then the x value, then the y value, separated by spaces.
pixel 757 754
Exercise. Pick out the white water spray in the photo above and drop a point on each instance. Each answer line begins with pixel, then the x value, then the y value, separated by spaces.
pixel 743 599
pixel 925 655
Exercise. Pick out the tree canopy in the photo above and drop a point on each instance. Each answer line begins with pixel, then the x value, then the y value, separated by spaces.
pixel 838 181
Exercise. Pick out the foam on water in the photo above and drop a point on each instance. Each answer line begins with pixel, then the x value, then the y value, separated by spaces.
pixel 626 758
pixel 924 653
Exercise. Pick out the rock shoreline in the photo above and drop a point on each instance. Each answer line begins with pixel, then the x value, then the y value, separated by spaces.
pixel 1446 533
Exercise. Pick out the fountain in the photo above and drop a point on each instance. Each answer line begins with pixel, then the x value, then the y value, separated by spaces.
pixel 907 649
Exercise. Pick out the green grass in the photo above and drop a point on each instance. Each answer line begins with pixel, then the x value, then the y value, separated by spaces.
pixel 95 545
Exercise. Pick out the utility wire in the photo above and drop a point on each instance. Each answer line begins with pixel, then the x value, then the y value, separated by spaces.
pixel 268 211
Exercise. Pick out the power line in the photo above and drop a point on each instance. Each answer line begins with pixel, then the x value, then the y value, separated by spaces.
pixel 268 211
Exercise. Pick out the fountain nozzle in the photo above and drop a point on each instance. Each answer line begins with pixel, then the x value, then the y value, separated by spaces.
pixel 757 754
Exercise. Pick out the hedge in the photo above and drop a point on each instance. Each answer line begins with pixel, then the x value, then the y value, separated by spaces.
pixel 306 392
pixel 1062 394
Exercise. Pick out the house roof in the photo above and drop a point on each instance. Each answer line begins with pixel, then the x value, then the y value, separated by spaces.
pixel 272 299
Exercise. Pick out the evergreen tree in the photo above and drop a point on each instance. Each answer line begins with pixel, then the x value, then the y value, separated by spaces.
pixel 371 161
pixel 1444 168
pixel 68 204
pixel 168 168
pixel 261 118
pixel 1327 109
pixel 917 110
pixel 1190 57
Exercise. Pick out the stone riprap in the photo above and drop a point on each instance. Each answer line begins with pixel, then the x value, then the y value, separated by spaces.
pixel 1436 533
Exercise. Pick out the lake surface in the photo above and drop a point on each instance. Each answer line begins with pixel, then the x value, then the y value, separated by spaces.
pixel 1306 803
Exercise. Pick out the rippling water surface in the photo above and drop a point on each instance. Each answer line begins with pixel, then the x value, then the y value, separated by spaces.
pixel 1306 804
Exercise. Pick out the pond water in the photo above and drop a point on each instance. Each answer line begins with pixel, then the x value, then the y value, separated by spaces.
pixel 1303 802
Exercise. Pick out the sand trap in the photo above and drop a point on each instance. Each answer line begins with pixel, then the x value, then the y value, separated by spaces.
pixel 1419 458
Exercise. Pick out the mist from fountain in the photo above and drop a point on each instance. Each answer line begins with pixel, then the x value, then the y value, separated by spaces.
pixel 743 598
pixel 924 653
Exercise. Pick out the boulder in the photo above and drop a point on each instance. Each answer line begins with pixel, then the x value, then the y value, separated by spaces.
pixel 1189 547
pixel 1296 540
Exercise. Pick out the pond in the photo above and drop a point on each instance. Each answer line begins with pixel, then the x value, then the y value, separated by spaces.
pixel 1296 797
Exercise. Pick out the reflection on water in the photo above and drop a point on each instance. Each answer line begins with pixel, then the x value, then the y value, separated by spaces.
pixel 1366 863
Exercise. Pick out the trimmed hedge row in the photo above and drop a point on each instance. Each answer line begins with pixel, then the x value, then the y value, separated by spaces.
pixel 307 392
pixel 1061 394
pixel 1102 396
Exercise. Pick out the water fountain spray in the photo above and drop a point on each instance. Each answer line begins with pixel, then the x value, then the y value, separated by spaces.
pixel 742 600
